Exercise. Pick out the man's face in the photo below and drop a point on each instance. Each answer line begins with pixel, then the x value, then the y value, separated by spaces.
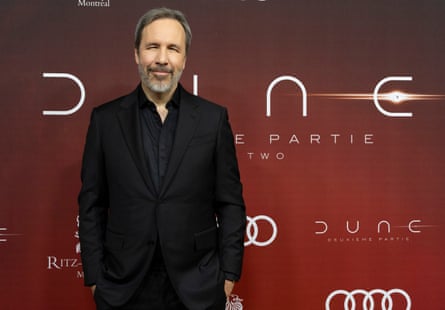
pixel 161 56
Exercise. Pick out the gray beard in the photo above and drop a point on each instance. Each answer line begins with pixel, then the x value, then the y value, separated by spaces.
pixel 158 86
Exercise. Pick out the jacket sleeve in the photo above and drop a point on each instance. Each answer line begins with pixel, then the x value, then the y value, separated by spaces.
pixel 230 207
pixel 93 203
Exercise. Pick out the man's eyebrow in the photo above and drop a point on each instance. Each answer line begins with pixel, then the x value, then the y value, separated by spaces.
pixel 150 43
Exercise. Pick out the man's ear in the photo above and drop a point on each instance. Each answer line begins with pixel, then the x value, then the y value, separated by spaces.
pixel 136 55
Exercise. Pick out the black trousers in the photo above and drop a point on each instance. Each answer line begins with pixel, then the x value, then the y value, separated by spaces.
pixel 155 293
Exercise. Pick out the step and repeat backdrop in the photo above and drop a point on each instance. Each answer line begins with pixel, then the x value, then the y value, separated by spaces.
pixel 338 111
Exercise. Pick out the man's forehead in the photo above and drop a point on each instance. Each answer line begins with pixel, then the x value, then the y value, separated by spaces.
pixel 166 25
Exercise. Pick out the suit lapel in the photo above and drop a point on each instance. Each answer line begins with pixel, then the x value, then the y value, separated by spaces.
pixel 130 124
pixel 187 122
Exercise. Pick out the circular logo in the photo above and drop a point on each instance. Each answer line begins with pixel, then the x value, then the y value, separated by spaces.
pixel 368 298
pixel 252 231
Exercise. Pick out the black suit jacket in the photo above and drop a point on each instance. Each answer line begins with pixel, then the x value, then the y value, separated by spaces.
pixel 198 215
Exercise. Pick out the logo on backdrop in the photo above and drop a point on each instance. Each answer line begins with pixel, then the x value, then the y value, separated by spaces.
pixel 76 235
pixel 361 137
pixel 395 97
pixel 234 303
pixel 78 82
pixel 72 263
pixel 4 235
pixel 253 231
pixel 378 231
pixel 370 299
pixel 276 139
pixel 93 4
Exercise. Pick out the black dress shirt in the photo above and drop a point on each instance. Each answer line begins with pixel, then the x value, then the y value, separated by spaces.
pixel 158 137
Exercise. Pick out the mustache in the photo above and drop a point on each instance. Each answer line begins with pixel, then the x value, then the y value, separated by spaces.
pixel 159 69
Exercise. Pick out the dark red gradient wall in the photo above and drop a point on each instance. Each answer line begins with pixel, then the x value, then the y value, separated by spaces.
pixel 344 192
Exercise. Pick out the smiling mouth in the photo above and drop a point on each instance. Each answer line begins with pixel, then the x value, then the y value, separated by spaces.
pixel 159 69
pixel 160 74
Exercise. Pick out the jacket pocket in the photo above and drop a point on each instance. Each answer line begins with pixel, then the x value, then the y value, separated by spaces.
pixel 207 239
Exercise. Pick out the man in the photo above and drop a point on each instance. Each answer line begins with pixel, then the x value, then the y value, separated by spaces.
pixel 162 217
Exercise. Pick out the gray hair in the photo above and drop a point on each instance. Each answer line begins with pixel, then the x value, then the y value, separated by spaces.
pixel 159 13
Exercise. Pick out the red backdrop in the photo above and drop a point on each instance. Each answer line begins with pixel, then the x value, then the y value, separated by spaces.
pixel 344 194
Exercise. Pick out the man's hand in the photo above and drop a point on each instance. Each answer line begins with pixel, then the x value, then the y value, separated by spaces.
pixel 228 287
pixel 93 289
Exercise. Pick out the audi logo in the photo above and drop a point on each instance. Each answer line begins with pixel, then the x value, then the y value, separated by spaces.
pixel 252 231
pixel 368 302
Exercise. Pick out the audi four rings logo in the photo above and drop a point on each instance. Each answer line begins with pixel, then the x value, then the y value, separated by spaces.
pixel 368 302
pixel 252 231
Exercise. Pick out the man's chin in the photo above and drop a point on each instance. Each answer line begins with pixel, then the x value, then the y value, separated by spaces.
pixel 162 89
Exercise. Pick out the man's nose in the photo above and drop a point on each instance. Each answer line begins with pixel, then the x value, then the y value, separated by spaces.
pixel 162 57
